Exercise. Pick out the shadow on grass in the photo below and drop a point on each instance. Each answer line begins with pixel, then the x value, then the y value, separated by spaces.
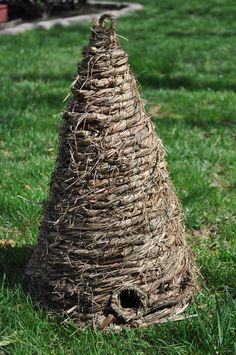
pixel 201 34
pixel 45 77
pixel 203 124
pixel 182 81
pixel 13 262
pixel 219 281
pixel 155 82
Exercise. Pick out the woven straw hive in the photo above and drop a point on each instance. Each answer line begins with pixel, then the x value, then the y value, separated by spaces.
pixel 111 249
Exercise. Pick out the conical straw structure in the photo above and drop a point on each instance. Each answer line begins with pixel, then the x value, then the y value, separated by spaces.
pixel 111 249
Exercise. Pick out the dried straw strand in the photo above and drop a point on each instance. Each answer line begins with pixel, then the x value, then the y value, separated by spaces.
pixel 111 249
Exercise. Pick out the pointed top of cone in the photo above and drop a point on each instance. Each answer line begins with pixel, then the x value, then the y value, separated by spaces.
pixel 104 32
pixel 111 250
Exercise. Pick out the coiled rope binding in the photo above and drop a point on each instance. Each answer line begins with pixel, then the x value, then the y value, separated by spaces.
pixel 111 249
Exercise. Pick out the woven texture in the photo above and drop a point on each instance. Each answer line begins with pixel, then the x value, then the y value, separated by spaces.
pixel 111 249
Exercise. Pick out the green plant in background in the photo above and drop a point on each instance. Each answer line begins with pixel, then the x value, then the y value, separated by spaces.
pixel 40 8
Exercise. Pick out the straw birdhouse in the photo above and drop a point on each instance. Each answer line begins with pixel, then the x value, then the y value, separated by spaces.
pixel 111 249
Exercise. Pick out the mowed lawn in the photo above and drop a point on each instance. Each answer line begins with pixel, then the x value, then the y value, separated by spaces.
pixel 183 54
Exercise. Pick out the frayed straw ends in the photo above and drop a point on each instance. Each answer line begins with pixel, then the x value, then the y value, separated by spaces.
pixel 111 249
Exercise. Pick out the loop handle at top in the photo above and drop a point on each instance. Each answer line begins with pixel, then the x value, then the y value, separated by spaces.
pixel 111 18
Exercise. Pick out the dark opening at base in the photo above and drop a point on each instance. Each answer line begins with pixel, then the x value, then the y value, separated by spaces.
pixel 130 299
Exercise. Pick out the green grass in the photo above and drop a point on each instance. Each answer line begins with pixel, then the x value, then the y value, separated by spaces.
pixel 183 54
